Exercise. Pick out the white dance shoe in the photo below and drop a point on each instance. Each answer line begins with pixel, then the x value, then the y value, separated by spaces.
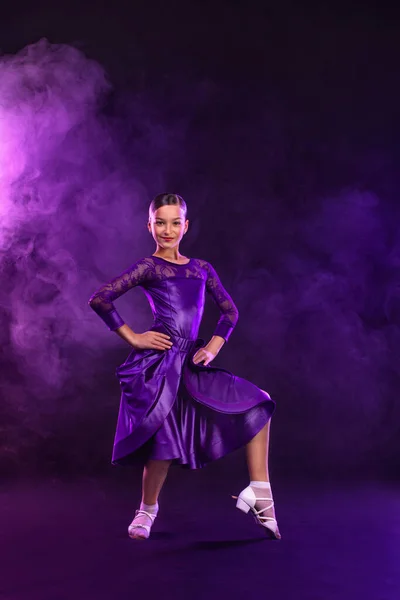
pixel 247 500
pixel 138 530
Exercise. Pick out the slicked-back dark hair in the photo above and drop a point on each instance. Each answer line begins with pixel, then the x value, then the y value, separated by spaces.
pixel 165 200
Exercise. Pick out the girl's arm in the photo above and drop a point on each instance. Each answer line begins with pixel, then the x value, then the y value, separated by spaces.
pixel 229 312
pixel 215 344
pixel 102 303
pixel 102 300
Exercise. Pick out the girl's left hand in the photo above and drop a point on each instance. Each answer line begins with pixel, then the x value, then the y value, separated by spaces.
pixel 204 355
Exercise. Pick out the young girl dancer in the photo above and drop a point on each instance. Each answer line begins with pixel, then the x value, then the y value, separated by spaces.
pixel 175 407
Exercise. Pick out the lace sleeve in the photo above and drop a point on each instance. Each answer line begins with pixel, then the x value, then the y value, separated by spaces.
pixel 102 300
pixel 228 310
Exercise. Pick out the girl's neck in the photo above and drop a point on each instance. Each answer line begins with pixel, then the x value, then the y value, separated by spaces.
pixel 172 255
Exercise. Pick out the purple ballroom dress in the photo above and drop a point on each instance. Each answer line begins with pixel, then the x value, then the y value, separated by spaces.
pixel 170 407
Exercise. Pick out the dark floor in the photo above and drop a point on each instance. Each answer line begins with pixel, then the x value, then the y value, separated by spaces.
pixel 63 540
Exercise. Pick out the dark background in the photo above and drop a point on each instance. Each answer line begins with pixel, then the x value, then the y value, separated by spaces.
pixel 278 123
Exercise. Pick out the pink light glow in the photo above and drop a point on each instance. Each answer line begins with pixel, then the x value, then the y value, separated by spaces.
pixel 55 194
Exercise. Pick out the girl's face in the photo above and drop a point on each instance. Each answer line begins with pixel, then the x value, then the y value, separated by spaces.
pixel 167 225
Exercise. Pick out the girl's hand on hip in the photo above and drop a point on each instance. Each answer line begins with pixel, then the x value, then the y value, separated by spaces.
pixel 204 355
pixel 152 339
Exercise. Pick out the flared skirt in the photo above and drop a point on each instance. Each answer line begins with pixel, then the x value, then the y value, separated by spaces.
pixel 199 414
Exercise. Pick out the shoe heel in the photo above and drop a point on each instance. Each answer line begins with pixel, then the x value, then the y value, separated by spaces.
pixel 242 505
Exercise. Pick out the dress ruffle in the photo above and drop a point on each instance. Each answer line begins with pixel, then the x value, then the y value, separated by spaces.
pixel 172 408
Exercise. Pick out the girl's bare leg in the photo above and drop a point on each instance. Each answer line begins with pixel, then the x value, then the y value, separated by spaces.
pixel 257 462
pixel 154 475
pixel 257 455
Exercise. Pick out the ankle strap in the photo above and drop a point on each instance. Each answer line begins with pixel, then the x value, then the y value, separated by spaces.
pixel 144 512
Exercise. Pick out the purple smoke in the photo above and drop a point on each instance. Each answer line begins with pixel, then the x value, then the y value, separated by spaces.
pixel 316 288
pixel 64 205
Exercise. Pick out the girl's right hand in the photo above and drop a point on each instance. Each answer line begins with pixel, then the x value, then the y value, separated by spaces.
pixel 152 339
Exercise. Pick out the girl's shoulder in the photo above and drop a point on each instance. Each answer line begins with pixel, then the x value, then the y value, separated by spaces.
pixel 201 262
